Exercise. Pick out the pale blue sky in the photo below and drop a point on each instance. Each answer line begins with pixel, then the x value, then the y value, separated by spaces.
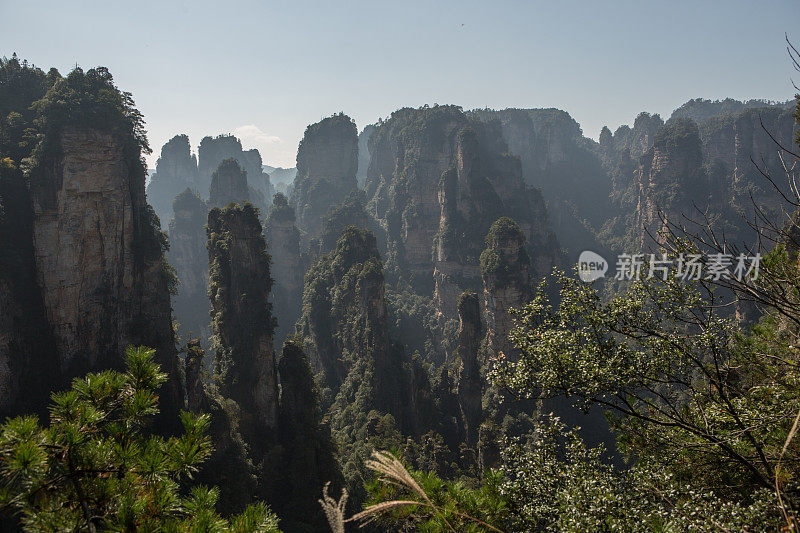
pixel 266 69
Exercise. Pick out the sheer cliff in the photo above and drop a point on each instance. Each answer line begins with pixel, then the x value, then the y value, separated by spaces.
pixel 189 257
pixel 288 265
pixel 176 170
pixel 327 161
pixel 239 288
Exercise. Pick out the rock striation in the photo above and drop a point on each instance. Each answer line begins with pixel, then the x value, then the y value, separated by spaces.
pixel 438 178
pixel 327 161
pixel 99 258
pixel 239 288
pixel 470 381
pixel 507 284
pixel 288 266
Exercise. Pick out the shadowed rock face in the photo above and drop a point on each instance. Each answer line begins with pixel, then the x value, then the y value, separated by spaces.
pixel 671 178
pixel 28 359
pixel 99 260
pixel 505 268
pixel 215 150
pixel 470 383
pixel 176 170
pixel 228 184
pixel 438 178
pixel 559 161
pixel 327 161
pixel 189 256
pixel 239 288
pixel 283 239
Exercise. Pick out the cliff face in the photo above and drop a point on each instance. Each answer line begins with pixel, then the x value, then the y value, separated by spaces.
pixel 345 328
pixel 558 160
pixel 283 239
pixel 215 150
pixel 731 143
pixel 99 259
pixel 28 360
pixel 438 179
pixel 189 256
pixel 327 161
pixel 228 184
pixel 701 158
pixel 671 179
pixel 363 153
pixel 507 284
pixel 239 287
pixel 470 382
pixel 176 170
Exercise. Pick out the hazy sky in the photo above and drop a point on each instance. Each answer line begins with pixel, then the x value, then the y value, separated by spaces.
pixel 264 70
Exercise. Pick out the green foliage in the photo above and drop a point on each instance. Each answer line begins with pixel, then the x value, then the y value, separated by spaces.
pixel 308 456
pixel 91 100
pixel 505 260
pixel 421 501
pixel 96 467
pixel 553 482
pixel 691 392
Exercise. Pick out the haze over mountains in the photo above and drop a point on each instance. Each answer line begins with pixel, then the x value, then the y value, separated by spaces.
pixel 408 286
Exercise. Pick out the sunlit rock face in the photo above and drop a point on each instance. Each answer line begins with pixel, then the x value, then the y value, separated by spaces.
pixel 176 170
pixel 99 259
pixel 363 153
pixel 239 288
pixel 327 161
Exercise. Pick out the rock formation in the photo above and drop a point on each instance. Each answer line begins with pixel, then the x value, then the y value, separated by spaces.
pixel 28 359
pixel 308 460
pixel 327 161
pixel 228 184
pixel 239 288
pixel 176 170
pixel 558 160
pixel 283 239
pixel 344 293
pixel 99 258
pixel 437 180
pixel 700 163
pixel 214 150
pixel 363 153
pixel 671 180
pixel 507 284
pixel 189 257
pixel 82 269
pixel 470 382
